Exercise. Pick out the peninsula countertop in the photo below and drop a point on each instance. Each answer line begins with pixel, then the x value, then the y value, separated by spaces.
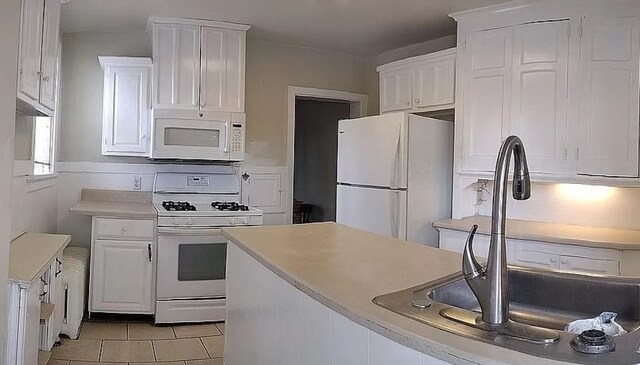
pixel 30 253
pixel 345 268
pixel 115 203
pixel 597 237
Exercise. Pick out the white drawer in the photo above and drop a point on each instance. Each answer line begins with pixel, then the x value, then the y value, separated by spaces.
pixel 124 228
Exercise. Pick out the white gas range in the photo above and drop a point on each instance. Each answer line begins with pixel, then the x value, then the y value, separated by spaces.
pixel 191 264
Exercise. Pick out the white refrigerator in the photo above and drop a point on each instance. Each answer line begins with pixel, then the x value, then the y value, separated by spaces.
pixel 395 175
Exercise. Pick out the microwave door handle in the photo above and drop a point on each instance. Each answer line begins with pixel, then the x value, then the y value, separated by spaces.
pixel 226 140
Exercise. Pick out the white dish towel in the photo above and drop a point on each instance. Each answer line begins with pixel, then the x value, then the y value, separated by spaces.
pixel 605 322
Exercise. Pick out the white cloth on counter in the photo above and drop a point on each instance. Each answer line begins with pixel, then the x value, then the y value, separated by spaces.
pixel 605 322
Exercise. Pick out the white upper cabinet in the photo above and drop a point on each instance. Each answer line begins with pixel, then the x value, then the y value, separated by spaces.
pixel 38 55
pixel 539 93
pixel 176 55
pixel 50 48
pixel 423 83
pixel 198 65
pixel 126 108
pixel 564 78
pixel 486 87
pixel 395 90
pixel 609 97
pixel 222 70
pixel 30 48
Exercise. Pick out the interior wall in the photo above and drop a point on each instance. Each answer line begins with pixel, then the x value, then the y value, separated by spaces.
pixel 271 67
pixel 9 38
pixel 591 205
pixel 24 137
pixel 316 147
pixel 413 50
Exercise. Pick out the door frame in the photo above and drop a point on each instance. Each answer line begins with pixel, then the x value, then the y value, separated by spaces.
pixel 358 108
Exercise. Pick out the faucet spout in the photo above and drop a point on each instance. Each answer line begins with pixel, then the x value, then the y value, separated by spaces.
pixel 490 284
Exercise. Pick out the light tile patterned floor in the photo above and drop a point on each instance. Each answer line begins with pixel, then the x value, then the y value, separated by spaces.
pixel 142 343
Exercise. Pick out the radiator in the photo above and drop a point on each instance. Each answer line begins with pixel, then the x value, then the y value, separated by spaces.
pixel 75 261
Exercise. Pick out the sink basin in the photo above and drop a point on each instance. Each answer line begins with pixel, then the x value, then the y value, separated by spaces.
pixel 542 298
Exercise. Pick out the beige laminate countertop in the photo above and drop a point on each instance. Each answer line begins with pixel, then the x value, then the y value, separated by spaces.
pixel 30 253
pixel 345 268
pixel 598 237
pixel 115 203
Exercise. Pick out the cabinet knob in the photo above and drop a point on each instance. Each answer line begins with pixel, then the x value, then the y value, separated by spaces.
pixel 203 104
pixel 417 101
pixel 564 260
pixel 45 78
pixel 553 260
pixel 406 102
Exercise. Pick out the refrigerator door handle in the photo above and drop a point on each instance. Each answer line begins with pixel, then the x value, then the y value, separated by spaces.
pixel 396 165
pixel 394 213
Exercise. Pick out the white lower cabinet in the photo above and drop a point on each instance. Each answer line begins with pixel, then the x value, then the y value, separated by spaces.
pixel 295 328
pixel 122 270
pixel 544 255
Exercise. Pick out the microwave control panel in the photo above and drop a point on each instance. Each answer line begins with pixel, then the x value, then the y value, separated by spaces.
pixel 237 137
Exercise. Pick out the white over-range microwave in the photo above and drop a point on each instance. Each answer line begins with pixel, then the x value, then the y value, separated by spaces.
pixel 198 135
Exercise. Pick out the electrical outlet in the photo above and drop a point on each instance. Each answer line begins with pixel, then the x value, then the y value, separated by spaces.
pixel 137 183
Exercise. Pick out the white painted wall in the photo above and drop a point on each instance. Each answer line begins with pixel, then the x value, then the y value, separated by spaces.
pixel 9 38
pixel 35 202
pixel 561 203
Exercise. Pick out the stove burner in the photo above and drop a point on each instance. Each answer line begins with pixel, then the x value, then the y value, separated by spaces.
pixel 593 342
pixel 178 206
pixel 229 206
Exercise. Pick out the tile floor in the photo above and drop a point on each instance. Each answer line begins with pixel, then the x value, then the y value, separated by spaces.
pixel 142 343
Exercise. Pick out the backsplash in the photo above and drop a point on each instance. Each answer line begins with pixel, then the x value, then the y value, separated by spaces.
pixel 590 205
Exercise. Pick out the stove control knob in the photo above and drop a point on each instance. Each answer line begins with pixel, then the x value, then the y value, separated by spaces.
pixel 124 228
pixel 189 221
pixel 232 221
pixel 244 220
pixel 175 221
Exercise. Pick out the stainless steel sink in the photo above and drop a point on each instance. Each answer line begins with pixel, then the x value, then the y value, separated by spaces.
pixel 542 298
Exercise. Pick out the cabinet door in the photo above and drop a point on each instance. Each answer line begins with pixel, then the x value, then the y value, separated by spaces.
pixel 50 53
pixel 589 265
pixel 126 110
pixel 223 70
pixel 176 58
pixel 396 90
pixel 539 93
pixel 609 97
pixel 58 297
pixel 32 323
pixel 30 48
pixel 263 190
pixel 487 74
pixel 433 83
pixel 531 258
pixel 121 277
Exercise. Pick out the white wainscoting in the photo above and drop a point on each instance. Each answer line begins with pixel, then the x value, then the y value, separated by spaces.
pixel 34 203
pixel 271 322
pixel 74 176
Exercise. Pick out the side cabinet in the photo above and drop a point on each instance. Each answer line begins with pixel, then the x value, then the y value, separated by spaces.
pixel 544 255
pixel 122 270
pixel 38 55
pixel 126 106
pixel 420 84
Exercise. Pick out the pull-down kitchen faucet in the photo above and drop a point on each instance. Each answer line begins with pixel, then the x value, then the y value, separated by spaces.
pixel 490 284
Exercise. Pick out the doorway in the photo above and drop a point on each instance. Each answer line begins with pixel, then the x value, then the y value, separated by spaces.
pixel 312 150
pixel 315 159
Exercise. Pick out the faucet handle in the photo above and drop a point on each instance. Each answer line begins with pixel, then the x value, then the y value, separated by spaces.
pixel 470 266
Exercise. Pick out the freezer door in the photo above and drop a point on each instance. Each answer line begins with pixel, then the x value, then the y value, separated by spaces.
pixel 372 151
pixel 380 211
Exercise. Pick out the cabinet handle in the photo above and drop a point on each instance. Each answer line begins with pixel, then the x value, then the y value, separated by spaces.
pixel 149 251
pixel 59 267
pixel 45 288
pixel 45 79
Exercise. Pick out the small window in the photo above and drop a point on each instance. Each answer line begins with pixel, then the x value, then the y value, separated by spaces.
pixel 43 141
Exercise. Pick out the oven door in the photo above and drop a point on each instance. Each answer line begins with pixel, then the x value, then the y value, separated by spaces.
pixel 191 263
pixel 197 138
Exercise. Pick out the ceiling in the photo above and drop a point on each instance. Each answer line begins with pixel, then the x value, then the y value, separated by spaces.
pixel 360 27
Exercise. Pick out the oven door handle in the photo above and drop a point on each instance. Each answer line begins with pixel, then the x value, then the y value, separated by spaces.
pixel 189 231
